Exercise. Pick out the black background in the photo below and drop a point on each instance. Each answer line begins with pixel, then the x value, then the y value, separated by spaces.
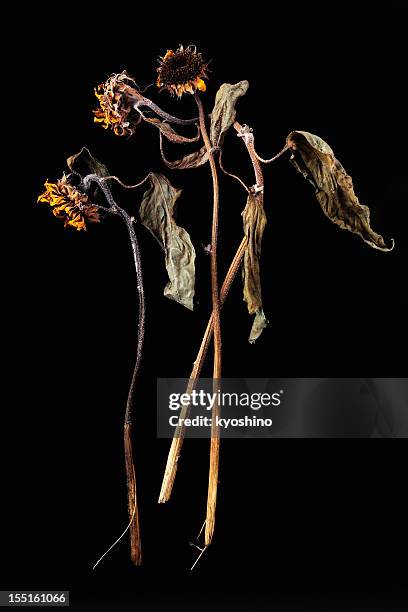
pixel 297 521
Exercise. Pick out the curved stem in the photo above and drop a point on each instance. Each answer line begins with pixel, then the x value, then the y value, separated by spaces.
pixel 134 526
pixel 275 157
pixel 141 315
pixel 215 431
pixel 135 539
pixel 115 178
pixel 234 176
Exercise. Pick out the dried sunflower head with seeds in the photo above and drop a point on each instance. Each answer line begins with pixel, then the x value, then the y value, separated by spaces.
pixel 69 204
pixel 182 71
pixel 116 104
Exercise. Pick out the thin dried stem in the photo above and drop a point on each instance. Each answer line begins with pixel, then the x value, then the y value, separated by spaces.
pixel 178 437
pixel 134 526
pixel 118 539
pixel 275 157
pixel 115 178
pixel 202 551
pixel 135 539
pixel 215 430
pixel 234 176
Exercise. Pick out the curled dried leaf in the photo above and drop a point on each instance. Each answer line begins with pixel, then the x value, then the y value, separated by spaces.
pixel 313 157
pixel 254 221
pixel 170 133
pixel 224 113
pixel 157 212
pixel 191 160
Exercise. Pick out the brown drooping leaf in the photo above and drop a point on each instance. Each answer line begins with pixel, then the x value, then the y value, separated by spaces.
pixel 157 214
pixel 254 221
pixel 84 163
pixel 313 157
pixel 223 114
pixel 191 160
pixel 170 133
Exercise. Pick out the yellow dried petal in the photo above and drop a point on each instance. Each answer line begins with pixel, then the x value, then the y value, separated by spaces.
pixel 169 53
pixel 201 85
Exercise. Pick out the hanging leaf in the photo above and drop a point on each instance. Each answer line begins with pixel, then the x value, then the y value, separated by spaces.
pixel 84 163
pixel 313 157
pixel 223 114
pixel 191 160
pixel 254 221
pixel 157 214
pixel 170 133
pixel 259 324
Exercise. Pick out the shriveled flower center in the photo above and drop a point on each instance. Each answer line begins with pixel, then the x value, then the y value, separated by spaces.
pixel 182 67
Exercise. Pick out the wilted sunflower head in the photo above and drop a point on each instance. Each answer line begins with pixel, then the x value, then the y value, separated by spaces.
pixel 69 204
pixel 182 71
pixel 116 104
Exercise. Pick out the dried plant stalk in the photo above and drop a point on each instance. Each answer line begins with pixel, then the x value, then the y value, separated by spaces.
pixel 123 108
pixel 215 432
pixel 178 437
pixel 134 526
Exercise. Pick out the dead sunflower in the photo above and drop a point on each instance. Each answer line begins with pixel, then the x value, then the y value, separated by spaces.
pixel 116 103
pixel 69 204
pixel 182 71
